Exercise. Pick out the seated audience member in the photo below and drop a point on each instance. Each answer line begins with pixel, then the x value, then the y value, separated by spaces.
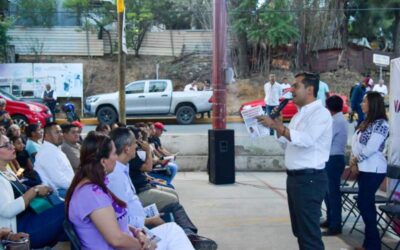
pixel 80 126
pixel 70 145
pixel 98 216
pixel 103 128
pixel 118 125
pixel 51 163
pixel 34 134
pixel 31 177
pixel 44 229
pixel 147 192
pixel 172 236
pixel 3 130
pixel 14 131
pixel 161 153
pixel 166 199
pixel 5 118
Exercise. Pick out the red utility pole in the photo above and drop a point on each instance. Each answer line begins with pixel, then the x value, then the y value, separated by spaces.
pixel 218 65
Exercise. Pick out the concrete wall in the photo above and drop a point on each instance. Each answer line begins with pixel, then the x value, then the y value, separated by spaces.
pixel 262 154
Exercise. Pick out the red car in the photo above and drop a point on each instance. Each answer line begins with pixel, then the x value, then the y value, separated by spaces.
pixel 25 112
pixel 290 109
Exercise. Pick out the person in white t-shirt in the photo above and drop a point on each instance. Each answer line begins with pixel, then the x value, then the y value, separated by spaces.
pixel 381 88
pixel 190 87
pixel 286 86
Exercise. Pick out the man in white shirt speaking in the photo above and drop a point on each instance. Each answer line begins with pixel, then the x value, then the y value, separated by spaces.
pixel 307 142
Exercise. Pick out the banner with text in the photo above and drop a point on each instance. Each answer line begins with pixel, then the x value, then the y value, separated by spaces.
pixel 394 119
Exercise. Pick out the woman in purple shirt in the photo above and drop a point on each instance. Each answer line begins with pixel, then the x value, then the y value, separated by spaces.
pixel 98 216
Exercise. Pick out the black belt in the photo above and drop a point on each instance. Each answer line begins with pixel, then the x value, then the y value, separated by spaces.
pixel 304 171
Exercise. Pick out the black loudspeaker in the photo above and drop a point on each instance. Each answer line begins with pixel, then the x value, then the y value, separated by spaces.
pixel 221 156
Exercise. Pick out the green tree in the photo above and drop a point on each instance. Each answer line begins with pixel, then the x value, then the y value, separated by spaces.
pixel 95 16
pixel 242 17
pixel 36 12
pixel 139 18
pixel 273 27
pixel 5 24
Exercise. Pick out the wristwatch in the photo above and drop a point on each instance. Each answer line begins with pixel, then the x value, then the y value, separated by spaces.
pixel 36 189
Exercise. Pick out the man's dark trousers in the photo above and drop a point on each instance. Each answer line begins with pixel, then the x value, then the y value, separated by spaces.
pixel 269 111
pixel 334 168
pixel 305 195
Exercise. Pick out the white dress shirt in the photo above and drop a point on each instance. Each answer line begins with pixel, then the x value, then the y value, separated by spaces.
pixel 311 136
pixel 53 167
pixel 121 185
pixel 368 147
pixel 272 93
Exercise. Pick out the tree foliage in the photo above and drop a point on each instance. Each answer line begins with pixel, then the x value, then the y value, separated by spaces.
pixel 266 26
pixel 36 12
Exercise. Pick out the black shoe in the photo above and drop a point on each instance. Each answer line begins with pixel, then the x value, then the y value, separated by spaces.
pixel 331 232
pixel 324 224
pixel 202 243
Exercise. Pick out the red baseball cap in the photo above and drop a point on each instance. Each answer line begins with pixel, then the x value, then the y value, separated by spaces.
pixel 159 125
pixel 77 123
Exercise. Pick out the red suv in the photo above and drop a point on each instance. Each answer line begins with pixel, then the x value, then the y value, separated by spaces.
pixel 26 112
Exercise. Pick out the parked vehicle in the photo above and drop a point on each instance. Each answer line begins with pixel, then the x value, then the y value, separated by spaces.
pixel 25 112
pixel 290 109
pixel 150 97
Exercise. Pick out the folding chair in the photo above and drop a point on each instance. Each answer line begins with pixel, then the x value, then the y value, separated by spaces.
pixel 392 211
pixel 70 231
pixel 346 191
pixel 393 172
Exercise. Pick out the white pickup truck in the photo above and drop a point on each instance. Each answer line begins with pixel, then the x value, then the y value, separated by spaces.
pixel 150 97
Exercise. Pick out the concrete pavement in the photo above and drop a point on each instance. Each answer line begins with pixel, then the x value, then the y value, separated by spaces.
pixel 251 214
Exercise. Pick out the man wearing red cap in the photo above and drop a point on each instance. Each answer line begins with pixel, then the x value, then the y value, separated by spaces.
pixel 161 153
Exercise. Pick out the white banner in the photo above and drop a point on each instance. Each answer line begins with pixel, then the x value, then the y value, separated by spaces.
pixel 394 119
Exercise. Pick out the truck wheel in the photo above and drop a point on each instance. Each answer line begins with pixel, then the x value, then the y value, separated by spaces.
pixel 107 115
pixel 185 115
pixel 20 120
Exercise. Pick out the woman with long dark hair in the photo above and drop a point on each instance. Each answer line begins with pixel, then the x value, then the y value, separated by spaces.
pixel 16 209
pixel 98 216
pixel 367 153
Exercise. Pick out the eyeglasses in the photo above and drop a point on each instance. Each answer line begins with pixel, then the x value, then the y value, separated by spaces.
pixel 7 145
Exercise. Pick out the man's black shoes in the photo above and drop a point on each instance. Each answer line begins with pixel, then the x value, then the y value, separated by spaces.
pixel 202 243
pixel 331 232
pixel 324 224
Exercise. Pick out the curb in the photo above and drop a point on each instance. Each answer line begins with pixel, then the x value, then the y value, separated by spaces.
pixel 165 120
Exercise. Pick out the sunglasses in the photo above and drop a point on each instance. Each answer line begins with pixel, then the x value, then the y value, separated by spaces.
pixel 7 145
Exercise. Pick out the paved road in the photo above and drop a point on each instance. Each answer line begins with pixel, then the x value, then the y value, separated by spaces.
pixel 194 128
pixel 203 129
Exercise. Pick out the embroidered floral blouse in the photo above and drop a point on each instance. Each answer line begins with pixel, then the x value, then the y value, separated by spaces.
pixel 368 146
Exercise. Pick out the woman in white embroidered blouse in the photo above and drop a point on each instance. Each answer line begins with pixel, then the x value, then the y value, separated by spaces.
pixel 367 153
